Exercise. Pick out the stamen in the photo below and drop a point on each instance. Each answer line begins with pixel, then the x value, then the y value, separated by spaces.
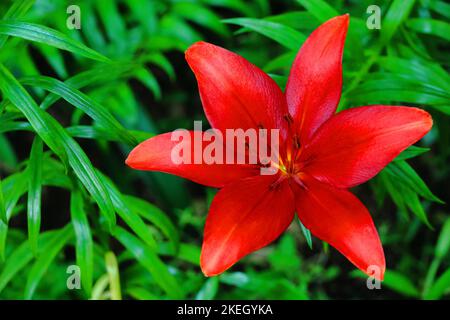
pixel 288 118
pixel 296 141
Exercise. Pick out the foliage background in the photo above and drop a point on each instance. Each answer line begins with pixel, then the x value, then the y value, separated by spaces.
pixel 74 103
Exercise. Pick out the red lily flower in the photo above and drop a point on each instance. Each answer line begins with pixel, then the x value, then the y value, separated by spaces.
pixel 323 153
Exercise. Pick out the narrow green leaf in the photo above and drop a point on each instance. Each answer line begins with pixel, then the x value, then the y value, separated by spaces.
pixel 148 79
pixel 2 204
pixel 411 152
pixel 286 36
pixel 162 62
pixel 84 247
pixel 209 289
pixel 439 7
pixel 132 219
pixel 98 75
pixel 406 174
pixel 78 99
pixel 98 291
pixel 400 283
pixel 430 26
pixel 151 262
pixel 319 8
pixel 306 233
pixel 440 287
pixel 34 193
pixel 153 214
pixel 59 141
pixel 141 294
pixel 443 243
pixel 112 269
pixel 200 15
pixel 21 256
pixel 18 9
pixel 48 36
pixel 53 246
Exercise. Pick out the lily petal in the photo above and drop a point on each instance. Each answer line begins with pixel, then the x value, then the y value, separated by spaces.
pixel 234 92
pixel 337 217
pixel 314 85
pixel 244 216
pixel 354 145
pixel 155 154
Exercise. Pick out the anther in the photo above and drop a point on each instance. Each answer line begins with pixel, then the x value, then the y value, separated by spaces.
pixel 288 118
pixel 296 141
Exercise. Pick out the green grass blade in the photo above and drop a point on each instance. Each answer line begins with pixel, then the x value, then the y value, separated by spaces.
pixel 48 36
pixel 112 268
pixel 84 247
pixel 153 214
pixel 34 193
pixel 151 262
pixel 3 216
pixel 98 75
pixel 18 9
pixel 53 246
pixel 306 233
pixel 78 99
pixel 407 175
pixel 430 26
pixel 439 288
pixel 319 9
pixel 284 35
pixel 411 152
pixel 59 141
pixel 21 257
pixel 133 220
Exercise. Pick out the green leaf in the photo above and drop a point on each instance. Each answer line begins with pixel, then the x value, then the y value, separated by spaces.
pixel 148 79
pixel 411 152
pixel 153 214
pixel 55 59
pixel 397 13
pixel 78 99
pixel 439 7
pixel 402 171
pixel 53 246
pixel 443 244
pixel 306 233
pixel 112 268
pixel 18 9
pixel 21 256
pixel 59 141
pixel 200 15
pixel 236 5
pixel 48 36
pixel 34 193
pixel 286 36
pixel 3 216
pixel 162 62
pixel 98 75
pixel 209 289
pixel 148 259
pixel 84 247
pixel 400 283
pixel 281 62
pixel 440 287
pixel 141 294
pixel 319 9
pixel 430 26
pixel 413 203
pixel 132 219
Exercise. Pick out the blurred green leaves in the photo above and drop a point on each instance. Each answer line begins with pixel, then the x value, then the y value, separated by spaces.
pixel 121 79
